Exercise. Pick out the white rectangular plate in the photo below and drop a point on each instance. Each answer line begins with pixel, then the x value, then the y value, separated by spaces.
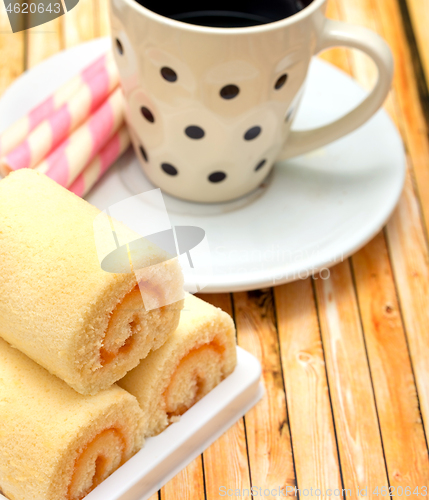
pixel 165 455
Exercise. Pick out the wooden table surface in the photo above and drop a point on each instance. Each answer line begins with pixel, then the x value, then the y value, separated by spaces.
pixel 345 360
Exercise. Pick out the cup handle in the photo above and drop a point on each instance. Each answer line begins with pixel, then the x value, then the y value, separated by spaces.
pixel 336 33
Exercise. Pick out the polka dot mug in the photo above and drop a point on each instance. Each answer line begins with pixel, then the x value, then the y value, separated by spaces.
pixel 210 108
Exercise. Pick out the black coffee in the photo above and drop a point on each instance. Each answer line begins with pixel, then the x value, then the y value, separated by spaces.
pixel 226 14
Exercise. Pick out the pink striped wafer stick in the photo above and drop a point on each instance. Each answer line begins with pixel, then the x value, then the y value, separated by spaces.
pixel 66 162
pixel 101 163
pixel 19 130
pixel 52 131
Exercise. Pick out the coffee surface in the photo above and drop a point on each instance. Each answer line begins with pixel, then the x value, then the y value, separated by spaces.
pixel 227 14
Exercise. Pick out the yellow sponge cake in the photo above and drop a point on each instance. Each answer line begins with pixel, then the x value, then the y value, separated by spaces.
pixel 85 325
pixel 56 444
pixel 194 359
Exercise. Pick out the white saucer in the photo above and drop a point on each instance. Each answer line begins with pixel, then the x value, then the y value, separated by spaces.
pixel 311 213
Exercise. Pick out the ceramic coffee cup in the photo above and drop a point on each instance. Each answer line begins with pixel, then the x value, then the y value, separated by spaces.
pixel 210 108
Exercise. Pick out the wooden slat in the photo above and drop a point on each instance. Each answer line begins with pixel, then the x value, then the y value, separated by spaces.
pixel 339 56
pixel 406 109
pixel 267 427
pixel 222 300
pixel 187 485
pixel 405 231
pixel 419 14
pixel 79 25
pixel 43 41
pixel 403 437
pixel 310 414
pixel 362 462
pixel 102 27
pixel 409 261
pixel 225 461
pixel 356 423
pixel 11 50
pixel 363 69
pixel 406 458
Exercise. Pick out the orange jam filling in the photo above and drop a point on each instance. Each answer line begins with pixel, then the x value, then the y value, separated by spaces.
pixel 198 377
pixel 132 300
pixel 108 354
pixel 98 459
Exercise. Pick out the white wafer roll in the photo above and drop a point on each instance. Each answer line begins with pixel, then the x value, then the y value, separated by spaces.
pixel 18 131
pixel 93 172
pixel 66 162
pixel 58 125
